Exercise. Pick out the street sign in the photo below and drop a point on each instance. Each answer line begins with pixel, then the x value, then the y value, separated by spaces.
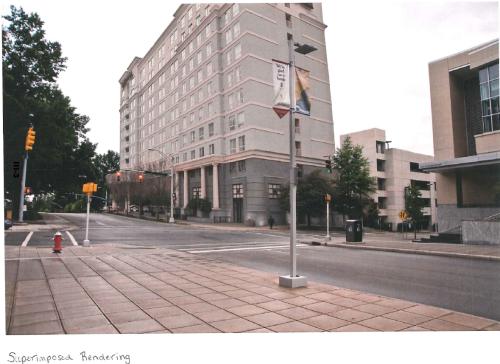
pixel 403 215
pixel 89 188
pixel 328 197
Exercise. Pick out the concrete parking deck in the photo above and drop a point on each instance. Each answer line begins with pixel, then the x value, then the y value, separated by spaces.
pixel 124 289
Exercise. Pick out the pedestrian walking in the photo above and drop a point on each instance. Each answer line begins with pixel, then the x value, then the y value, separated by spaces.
pixel 270 221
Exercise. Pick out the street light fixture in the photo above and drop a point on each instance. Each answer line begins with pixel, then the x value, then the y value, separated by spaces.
pixel 171 219
pixel 293 280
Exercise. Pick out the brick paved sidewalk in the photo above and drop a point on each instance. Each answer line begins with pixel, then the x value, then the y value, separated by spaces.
pixel 121 289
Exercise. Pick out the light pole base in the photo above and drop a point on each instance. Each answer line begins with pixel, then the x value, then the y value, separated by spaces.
pixel 293 282
pixel 86 242
pixel 171 220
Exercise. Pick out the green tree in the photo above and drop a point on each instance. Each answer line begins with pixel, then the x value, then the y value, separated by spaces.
pixel 353 183
pixel 414 205
pixel 311 191
pixel 62 152
pixel 104 164
pixel 371 214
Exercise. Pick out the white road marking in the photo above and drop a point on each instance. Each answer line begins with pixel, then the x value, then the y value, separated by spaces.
pixel 28 237
pixel 99 223
pixel 244 248
pixel 71 237
pixel 187 247
pixel 278 235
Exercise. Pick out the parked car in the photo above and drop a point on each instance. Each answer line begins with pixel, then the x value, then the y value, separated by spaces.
pixel 134 208
pixel 7 224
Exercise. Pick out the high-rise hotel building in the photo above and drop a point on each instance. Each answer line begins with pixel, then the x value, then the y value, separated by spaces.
pixel 203 95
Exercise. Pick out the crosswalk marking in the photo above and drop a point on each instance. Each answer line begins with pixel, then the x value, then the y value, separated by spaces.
pixel 72 238
pixel 27 239
pixel 241 249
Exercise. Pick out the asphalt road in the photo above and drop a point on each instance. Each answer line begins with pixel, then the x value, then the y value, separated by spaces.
pixel 470 286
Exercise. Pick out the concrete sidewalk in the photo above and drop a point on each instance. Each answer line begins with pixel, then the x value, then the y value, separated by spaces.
pixel 124 289
pixel 48 222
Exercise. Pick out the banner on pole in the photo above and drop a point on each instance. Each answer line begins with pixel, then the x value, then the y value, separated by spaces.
pixel 281 99
pixel 302 85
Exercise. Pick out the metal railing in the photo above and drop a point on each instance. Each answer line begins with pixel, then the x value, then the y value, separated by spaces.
pixel 222 219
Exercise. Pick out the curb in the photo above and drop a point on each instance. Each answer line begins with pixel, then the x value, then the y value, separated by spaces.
pixel 404 251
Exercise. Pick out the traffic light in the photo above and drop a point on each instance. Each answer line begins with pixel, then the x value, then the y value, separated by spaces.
pixel 118 175
pixel 89 188
pixel 141 177
pixel 328 165
pixel 30 139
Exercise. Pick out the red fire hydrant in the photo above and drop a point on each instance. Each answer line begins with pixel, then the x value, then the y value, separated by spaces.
pixel 58 242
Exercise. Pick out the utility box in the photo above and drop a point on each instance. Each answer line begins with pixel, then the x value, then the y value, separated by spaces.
pixel 353 231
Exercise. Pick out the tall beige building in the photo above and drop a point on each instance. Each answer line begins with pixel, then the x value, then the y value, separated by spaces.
pixel 203 95
pixel 466 125
pixel 395 169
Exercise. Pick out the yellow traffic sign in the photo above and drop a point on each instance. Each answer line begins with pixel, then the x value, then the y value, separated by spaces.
pixel 403 215
pixel 89 188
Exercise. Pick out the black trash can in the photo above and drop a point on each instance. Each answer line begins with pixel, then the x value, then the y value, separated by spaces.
pixel 354 231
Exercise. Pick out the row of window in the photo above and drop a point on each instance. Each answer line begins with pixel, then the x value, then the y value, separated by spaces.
pixel 201 153
pixel 490 98
pixel 240 147
pixel 382 202
pixel 274 190
pixel 186 27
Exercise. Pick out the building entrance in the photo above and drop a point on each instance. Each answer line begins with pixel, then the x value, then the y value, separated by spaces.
pixel 238 194
pixel 237 210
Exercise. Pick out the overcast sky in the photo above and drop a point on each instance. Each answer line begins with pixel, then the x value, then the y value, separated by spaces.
pixel 377 51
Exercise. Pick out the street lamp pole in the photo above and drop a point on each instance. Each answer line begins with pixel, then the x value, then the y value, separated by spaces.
pixel 172 171
pixel 293 280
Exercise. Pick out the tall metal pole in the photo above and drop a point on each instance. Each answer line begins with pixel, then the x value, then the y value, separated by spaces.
pixel 293 182
pixel 328 220
pixel 86 242
pixel 172 220
pixel 23 183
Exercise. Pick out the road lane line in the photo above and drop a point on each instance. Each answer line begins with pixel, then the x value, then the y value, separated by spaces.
pixel 99 223
pixel 278 235
pixel 245 248
pixel 186 247
pixel 70 236
pixel 189 247
pixel 27 239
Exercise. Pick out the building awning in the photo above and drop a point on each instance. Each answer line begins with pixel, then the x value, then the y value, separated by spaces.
pixel 463 162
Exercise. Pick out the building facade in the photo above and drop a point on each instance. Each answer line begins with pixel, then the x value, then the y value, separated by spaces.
pixel 466 126
pixel 203 93
pixel 395 169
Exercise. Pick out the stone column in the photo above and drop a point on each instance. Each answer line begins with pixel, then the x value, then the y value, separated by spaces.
pixel 215 174
pixel 177 186
pixel 203 190
pixel 186 189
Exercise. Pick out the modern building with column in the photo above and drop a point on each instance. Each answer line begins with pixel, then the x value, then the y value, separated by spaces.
pixel 466 126
pixel 395 169
pixel 203 95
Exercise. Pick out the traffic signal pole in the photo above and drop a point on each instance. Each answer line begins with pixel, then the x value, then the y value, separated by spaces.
pixel 328 220
pixel 86 242
pixel 23 183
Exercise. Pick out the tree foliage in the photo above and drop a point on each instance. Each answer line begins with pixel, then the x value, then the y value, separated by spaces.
pixel 353 183
pixel 311 191
pixel 63 157
pixel 414 203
